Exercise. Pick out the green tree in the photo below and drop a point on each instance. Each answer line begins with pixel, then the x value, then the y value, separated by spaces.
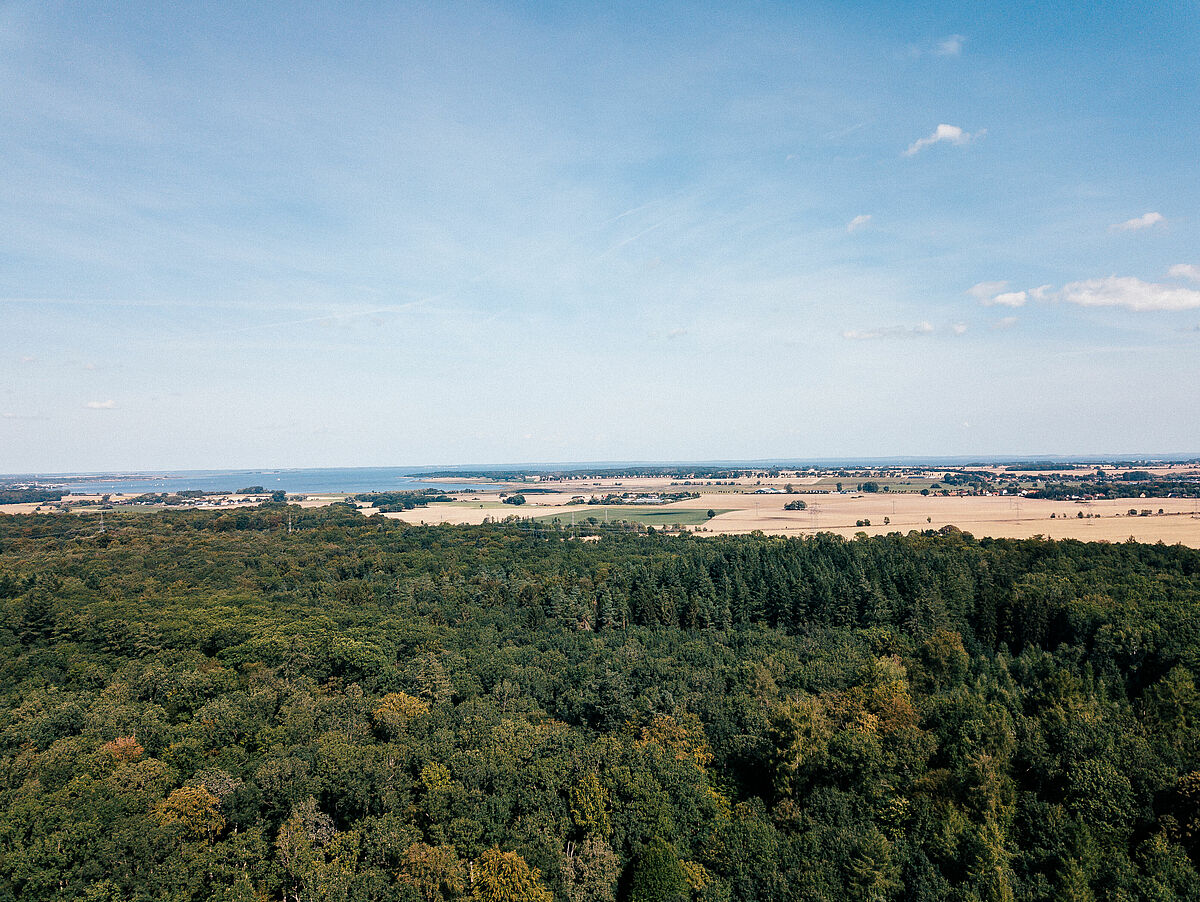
pixel 656 875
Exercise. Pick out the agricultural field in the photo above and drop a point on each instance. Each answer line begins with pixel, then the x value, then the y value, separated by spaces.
pixel 1087 504
pixel 758 504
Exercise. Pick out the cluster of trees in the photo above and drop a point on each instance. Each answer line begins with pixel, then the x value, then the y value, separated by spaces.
pixel 19 494
pixel 1150 488
pixel 204 705
pixel 969 479
pixel 389 502
pixel 797 505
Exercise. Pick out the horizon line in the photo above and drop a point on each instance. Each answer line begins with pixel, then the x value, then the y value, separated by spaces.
pixel 733 463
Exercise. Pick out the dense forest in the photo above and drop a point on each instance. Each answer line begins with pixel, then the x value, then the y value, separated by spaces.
pixel 208 705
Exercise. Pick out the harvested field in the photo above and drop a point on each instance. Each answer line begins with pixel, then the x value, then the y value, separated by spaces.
pixel 997 516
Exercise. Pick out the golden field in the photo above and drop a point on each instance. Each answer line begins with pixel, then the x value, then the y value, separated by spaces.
pixel 996 516
pixel 743 510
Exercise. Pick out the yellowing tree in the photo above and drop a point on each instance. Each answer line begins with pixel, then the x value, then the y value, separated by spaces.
pixel 589 806
pixel 507 877
pixel 397 708
pixel 435 872
pixel 193 811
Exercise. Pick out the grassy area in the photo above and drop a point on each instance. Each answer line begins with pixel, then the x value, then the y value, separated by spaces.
pixel 647 516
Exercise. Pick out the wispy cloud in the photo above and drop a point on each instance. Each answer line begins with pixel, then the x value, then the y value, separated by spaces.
pixel 1137 223
pixel 101 405
pixel 1010 299
pixel 632 238
pixel 951 133
pixel 1006 322
pixel 993 294
pixel 985 291
pixel 858 222
pixel 840 133
pixel 1130 293
pixel 959 328
pixel 1185 271
pixel 922 328
pixel 951 45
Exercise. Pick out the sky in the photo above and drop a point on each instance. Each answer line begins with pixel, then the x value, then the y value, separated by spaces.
pixel 248 235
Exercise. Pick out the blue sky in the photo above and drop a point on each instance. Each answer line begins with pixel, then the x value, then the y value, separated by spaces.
pixel 306 235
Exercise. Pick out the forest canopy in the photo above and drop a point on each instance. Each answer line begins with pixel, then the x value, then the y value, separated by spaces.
pixel 212 705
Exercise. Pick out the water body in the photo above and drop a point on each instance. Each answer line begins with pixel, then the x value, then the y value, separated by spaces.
pixel 306 481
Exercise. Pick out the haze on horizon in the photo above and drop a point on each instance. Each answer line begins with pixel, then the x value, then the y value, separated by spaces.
pixel 241 236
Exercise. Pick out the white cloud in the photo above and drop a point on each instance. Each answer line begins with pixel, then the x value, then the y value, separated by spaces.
pixel 101 405
pixel 28 359
pixel 1130 293
pixel 958 328
pixel 921 328
pixel 951 46
pixel 989 293
pixel 985 291
pixel 1138 222
pixel 943 132
pixel 1113 291
pixel 1010 299
pixel 858 222
pixel 1006 322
